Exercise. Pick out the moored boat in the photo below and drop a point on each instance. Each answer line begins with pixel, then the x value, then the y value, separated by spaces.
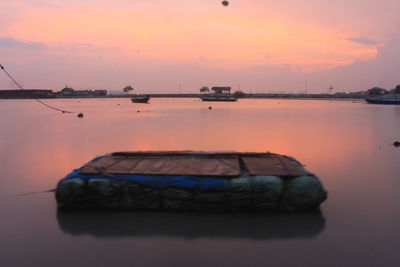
pixel 385 100
pixel 218 98
pixel 140 99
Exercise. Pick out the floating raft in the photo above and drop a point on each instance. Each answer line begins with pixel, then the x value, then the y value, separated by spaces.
pixel 191 181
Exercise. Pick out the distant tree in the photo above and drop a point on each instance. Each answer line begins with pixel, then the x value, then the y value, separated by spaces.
pixel 128 89
pixel 377 91
pixel 397 89
pixel 204 89
pixel 239 94
pixel 67 89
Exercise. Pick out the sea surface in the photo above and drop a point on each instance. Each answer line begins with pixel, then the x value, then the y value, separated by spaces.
pixel 348 144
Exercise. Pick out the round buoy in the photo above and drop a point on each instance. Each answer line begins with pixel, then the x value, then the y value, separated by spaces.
pixel 210 107
pixel 396 143
pixel 80 115
pixel 225 3
pixel 138 111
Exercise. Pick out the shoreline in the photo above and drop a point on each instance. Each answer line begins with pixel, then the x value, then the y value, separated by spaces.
pixel 246 96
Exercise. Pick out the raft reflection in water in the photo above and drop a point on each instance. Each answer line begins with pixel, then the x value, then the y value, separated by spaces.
pixel 257 226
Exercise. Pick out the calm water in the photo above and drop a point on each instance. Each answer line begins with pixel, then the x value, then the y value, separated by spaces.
pixel 348 145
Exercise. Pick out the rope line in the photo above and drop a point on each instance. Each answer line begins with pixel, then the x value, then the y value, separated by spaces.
pixel 41 102
pixel 34 193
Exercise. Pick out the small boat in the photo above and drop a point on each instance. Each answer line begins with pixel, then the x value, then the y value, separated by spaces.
pixel 218 98
pixel 385 100
pixel 140 99
pixel 191 181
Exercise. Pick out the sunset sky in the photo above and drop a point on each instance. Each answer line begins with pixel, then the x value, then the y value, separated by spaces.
pixel 161 45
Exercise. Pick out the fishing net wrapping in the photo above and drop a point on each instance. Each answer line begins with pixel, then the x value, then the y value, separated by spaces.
pixel 83 189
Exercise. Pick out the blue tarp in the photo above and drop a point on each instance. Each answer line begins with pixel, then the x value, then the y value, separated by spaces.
pixel 184 181
pixel 159 181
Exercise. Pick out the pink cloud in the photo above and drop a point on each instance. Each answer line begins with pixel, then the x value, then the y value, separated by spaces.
pixel 199 42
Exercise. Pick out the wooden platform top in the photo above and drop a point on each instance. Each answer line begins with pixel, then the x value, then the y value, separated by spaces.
pixel 196 163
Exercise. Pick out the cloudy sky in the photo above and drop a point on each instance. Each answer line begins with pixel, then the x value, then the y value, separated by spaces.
pixel 161 45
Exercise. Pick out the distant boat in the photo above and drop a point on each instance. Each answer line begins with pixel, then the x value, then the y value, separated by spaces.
pixel 140 99
pixel 218 98
pixel 386 100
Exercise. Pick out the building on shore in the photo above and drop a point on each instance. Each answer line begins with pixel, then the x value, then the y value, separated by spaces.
pixel 69 92
pixel 221 90
pixel 115 93
pixel 27 93
pixel 99 92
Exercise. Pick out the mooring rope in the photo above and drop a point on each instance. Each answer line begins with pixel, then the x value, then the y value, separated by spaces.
pixel 38 100
pixel 40 192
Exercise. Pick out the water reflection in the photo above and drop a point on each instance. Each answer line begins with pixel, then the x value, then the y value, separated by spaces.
pixel 104 224
pixel 348 145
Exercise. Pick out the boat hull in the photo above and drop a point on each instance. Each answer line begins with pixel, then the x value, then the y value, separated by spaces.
pixel 219 99
pixel 383 101
pixel 140 99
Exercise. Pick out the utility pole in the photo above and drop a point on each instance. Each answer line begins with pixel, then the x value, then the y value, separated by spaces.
pixel 305 87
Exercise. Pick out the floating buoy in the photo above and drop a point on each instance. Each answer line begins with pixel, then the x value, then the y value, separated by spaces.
pixel 138 111
pixel 396 143
pixel 80 115
pixel 210 107
pixel 225 3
